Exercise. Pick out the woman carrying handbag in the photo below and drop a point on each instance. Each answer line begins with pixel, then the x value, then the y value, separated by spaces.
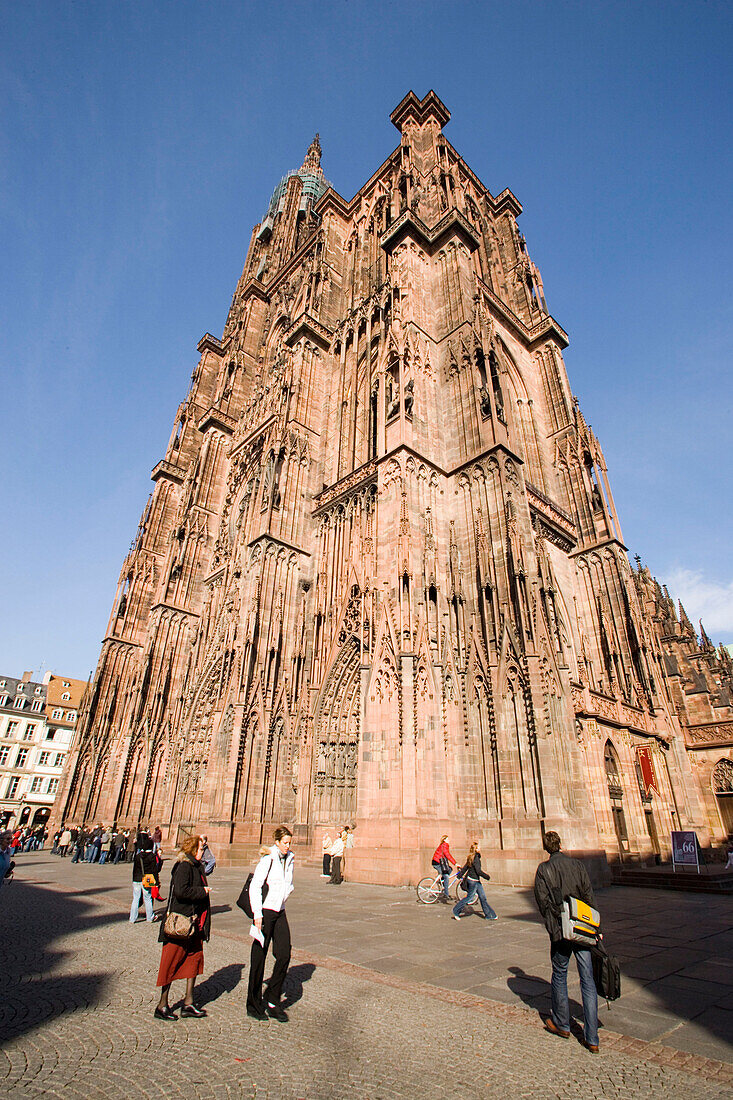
pixel 185 927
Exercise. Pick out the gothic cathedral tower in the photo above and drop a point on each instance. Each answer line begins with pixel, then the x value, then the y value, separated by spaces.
pixel 381 578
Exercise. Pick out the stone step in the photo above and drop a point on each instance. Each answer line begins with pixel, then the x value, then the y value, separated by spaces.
pixel 707 882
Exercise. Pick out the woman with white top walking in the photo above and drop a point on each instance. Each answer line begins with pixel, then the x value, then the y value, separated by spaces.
pixel 274 871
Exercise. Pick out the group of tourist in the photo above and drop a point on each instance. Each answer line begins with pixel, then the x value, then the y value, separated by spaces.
pixel 28 839
pixel 186 923
pixel 99 843
pixel 334 854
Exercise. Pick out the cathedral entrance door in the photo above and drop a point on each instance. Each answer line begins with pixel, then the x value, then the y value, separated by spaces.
pixel 723 791
pixel 337 741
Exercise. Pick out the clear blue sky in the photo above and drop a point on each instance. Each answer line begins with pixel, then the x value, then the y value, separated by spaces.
pixel 139 143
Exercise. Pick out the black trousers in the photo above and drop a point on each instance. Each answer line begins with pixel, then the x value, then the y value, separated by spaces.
pixel 336 876
pixel 326 863
pixel 276 930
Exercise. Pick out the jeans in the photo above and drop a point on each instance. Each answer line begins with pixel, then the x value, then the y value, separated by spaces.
pixel 560 953
pixel 76 852
pixel 445 876
pixel 137 890
pixel 119 852
pixel 474 888
pixel 103 857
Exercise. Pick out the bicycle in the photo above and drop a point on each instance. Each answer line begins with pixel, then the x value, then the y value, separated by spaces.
pixel 430 889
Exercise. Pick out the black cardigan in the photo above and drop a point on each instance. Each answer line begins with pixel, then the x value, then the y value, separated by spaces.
pixel 145 863
pixel 188 895
pixel 473 869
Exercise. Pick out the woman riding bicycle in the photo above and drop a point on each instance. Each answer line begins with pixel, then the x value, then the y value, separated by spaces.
pixel 442 862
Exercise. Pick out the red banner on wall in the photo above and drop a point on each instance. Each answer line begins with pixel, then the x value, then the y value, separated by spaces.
pixel 644 756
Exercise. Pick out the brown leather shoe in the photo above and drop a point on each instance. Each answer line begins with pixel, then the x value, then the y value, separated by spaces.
pixel 589 1046
pixel 554 1030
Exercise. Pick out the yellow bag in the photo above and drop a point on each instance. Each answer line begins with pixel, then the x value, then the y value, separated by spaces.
pixel 148 881
pixel 581 923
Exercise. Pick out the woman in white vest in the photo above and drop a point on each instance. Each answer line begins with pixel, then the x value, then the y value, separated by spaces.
pixel 275 871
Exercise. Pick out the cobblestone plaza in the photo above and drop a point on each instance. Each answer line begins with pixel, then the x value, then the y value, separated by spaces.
pixel 387 998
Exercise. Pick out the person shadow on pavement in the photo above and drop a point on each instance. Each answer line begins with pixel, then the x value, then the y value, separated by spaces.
pixel 293 987
pixel 221 981
pixel 536 992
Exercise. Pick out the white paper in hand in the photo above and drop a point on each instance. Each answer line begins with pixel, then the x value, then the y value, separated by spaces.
pixel 256 934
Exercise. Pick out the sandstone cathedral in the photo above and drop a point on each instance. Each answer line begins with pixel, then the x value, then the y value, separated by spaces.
pixel 381 578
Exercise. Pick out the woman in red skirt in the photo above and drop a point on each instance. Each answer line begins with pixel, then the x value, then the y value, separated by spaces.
pixel 184 957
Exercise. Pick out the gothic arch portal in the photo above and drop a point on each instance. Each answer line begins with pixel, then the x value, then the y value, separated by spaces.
pixel 722 783
pixel 337 738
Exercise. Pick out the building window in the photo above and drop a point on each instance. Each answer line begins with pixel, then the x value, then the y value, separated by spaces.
pixel 58 713
pixel 43 759
pixel 67 684
pixel 36 784
pixel 21 758
pixel 12 729
pixel 20 702
pixel 37 704
pixel 71 716
pixel 38 691
pixel 4 754
pixel 53 786
pixel 2 683
pixel 20 686
pixel 12 787
pixel 4 700
pixel 58 760
pixel 50 735
pixel 28 732
pixel 66 697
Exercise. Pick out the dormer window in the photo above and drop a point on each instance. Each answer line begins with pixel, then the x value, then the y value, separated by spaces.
pixel 66 697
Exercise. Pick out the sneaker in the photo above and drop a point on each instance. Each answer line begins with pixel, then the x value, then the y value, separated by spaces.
pixel 456 917
pixel 277 1013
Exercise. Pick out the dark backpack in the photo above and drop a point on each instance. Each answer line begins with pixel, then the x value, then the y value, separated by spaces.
pixel 243 900
pixel 606 973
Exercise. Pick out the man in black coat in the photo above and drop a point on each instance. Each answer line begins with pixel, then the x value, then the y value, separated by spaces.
pixel 561 877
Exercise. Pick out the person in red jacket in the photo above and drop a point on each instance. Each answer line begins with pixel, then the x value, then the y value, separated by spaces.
pixel 442 862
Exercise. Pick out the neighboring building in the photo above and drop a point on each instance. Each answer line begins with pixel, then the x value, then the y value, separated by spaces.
pixel 35 738
pixel 27 787
pixel 381 577
pixel 63 700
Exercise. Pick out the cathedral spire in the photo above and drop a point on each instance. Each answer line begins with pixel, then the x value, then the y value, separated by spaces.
pixel 706 643
pixel 312 162
pixel 687 627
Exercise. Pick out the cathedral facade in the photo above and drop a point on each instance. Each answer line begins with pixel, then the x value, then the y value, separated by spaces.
pixel 381 578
